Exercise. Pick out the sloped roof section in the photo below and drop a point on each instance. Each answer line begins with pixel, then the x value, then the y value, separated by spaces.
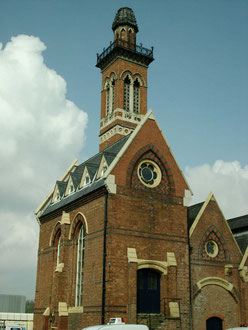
pixel 61 187
pixel 193 210
pixel 92 165
pixel 239 227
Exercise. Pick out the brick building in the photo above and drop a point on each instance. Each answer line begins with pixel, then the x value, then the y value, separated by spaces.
pixel 117 238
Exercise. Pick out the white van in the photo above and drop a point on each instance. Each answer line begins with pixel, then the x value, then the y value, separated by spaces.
pixel 117 327
pixel 11 327
pixel 238 328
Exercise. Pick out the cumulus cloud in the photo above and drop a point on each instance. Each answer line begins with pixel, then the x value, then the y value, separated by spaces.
pixel 227 180
pixel 41 132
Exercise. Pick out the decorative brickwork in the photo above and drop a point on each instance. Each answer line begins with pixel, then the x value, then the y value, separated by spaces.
pixel 150 152
pixel 213 234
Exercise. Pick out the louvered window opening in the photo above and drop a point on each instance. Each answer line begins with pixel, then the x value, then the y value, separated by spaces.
pixel 136 96
pixel 113 96
pixel 127 94
pixel 107 101
pixel 80 267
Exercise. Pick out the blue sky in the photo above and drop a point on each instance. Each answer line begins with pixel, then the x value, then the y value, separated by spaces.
pixel 197 84
pixel 49 85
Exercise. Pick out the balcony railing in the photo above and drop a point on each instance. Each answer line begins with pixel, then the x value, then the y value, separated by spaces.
pixel 126 45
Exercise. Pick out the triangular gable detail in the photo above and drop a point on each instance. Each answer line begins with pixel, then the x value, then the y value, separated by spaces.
pixel 243 270
pixel 103 167
pixel 198 217
pixel 149 115
pixel 85 180
pixel 56 195
pixel 50 195
pixel 70 187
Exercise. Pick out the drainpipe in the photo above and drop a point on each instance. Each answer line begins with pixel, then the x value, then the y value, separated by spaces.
pixel 104 257
pixel 190 295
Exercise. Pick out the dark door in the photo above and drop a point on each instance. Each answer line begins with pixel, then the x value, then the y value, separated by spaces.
pixel 148 291
pixel 214 323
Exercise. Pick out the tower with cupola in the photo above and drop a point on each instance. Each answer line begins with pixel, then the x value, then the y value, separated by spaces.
pixel 124 67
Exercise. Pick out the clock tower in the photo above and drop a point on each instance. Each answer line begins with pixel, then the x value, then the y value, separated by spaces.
pixel 124 67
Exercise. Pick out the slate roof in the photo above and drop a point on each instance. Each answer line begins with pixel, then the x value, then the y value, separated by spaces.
pixel 192 213
pixel 239 227
pixel 92 165
pixel 125 16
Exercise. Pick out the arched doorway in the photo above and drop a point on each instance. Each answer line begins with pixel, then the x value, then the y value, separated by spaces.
pixel 148 291
pixel 214 323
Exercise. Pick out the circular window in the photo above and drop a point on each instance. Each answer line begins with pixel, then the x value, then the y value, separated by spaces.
pixel 149 173
pixel 211 248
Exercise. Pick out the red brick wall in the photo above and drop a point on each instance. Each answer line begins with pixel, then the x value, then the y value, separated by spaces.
pixel 213 300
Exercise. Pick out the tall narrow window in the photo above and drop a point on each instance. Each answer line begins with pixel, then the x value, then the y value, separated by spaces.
pixel 80 267
pixel 107 101
pixel 58 250
pixel 136 96
pixel 127 83
pixel 113 95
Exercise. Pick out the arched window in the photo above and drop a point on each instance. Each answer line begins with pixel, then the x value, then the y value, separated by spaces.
pixel 58 249
pixel 107 100
pixel 80 266
pixel 136 96
pixel 127 83
pixel 57 244
pixel 113 95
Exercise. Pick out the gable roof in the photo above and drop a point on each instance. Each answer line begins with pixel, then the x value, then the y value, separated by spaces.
pixel 112 155
pixel 239 227
pixel 92 165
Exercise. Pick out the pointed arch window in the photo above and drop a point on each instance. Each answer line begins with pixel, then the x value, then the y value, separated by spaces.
pixel 136 96
pixel 107 100
pixel 113 95
pixel 58 249
pixel 127 83
pixel 80 266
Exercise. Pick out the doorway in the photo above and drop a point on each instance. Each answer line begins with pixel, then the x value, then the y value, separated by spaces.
pixel 214 323
pixel 148 291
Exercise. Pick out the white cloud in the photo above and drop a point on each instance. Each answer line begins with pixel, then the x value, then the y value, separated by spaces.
pixel 227 180
pixel 41 132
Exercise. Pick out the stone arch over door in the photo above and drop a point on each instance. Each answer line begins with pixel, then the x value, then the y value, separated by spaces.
pixel 148 290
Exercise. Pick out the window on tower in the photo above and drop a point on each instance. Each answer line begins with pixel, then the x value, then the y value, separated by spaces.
pixel 107 100
pixel 113 95
pixel 136 96
pixel 127 84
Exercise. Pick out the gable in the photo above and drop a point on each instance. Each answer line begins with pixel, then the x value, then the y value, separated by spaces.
pixel 147 143
pixel 210 234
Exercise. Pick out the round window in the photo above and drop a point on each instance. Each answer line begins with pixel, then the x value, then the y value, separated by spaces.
pixel 149 173
pixel 211 248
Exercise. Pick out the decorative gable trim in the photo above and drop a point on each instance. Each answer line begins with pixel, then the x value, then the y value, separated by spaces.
pixel 70 188
pixel 85 180
pixel 200 213
pixel 243 270
pixel 49 196
pixel 102 168
pixel 56 195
